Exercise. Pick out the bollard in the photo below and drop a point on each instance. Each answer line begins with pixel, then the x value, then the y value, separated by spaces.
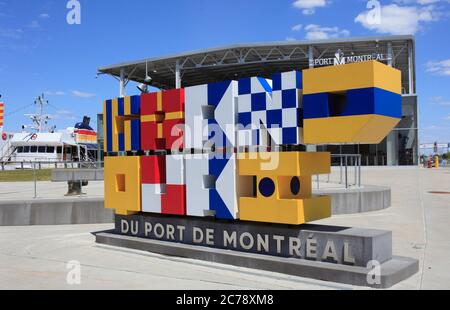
pixel 436 159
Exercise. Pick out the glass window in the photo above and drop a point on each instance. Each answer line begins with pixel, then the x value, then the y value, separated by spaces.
pixel 41 149
pixel 50 149
pixel 59 150
pixel 26 149
pixel 34 149
pixel 20 149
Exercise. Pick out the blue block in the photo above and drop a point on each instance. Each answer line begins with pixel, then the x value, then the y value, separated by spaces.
pixel 135 102
pixel 135 135
pixel 109 123
pixel 121 138
pixel 259 102
pixel 289 98
pixel 290 135
pixel 245 86
pixel 121 106
pixel 315 106
pixel 216 91
pixel 388 103
pixel 274 118
pixel 276 80
pixel 217 204
pixel 300 117
pixel 373 101
pixel 245 119
pixel 216 131
pixel 299 81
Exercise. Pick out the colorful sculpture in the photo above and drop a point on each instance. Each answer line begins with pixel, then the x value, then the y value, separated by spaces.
pixel 200 142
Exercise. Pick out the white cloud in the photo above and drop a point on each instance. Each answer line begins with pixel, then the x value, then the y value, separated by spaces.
pixel 81 94
pixel 290 39
pixel 297 27
pixel 64 114
pixel 317 32
pixel 44 15
pixel 308 7
pixel 439 100
pixel 396 19
pixel 55 93
pixel 439 67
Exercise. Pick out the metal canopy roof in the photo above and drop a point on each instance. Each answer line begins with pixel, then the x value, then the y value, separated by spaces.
pixel 262 59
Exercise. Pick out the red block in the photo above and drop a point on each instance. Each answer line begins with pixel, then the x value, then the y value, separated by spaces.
pixel 149 104
pixel 153 169
pixel 173 100
pixel 149 137
pixel 174 200
pixel 174 134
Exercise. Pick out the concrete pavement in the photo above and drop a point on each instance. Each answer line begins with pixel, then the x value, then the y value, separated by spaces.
pixel 36 257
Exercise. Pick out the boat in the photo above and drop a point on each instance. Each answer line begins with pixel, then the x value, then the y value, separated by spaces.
pixel 40 143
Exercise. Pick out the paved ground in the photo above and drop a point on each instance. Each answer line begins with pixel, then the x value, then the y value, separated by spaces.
pixel 36 257
pixel 48 190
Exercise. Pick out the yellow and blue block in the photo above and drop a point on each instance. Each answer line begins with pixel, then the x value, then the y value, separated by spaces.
pixel 353 103
pixel 122 126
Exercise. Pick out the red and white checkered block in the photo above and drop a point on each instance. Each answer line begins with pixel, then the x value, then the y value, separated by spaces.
pixel 163 184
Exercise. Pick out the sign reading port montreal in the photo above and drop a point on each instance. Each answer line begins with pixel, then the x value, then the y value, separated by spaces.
pixel 301 242
pixel 341 59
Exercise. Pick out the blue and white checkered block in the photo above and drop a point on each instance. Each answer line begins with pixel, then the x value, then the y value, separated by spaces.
pixel 268 106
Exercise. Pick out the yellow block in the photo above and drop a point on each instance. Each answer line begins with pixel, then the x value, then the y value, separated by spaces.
pixel 291 212
pixel 127 131
pixel 105 132
pixel 127 106
pixel 276 164
pixel 123 184
pixel 352 76
pixel 367 129
pixel 159 102
pixel 282 206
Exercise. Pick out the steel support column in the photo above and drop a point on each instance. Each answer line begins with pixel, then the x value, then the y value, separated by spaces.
pixel 122 83
pixel 177 74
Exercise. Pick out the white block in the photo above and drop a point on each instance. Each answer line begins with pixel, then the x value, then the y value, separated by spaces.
pixel 226 114
pixel 175 170
pixel 258 117
pixel 245 103
pixel 197 197
pixel 151 197
pixel 245 137
pixel 196 97
pixel 276 134
pixel 277 101
pixel 288 80
pixel 260 85
pixel 290 118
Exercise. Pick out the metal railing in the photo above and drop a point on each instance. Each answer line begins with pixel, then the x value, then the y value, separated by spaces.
pixel 349 171
pixel 39 165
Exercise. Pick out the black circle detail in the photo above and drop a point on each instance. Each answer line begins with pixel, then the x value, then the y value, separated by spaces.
pixel 295 186
pixel 267 187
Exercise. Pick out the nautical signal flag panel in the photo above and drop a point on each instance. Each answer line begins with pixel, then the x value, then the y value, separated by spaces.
pixel 2 112
pixel 208 129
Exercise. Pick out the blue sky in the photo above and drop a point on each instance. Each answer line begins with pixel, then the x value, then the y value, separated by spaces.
pixel 41 52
